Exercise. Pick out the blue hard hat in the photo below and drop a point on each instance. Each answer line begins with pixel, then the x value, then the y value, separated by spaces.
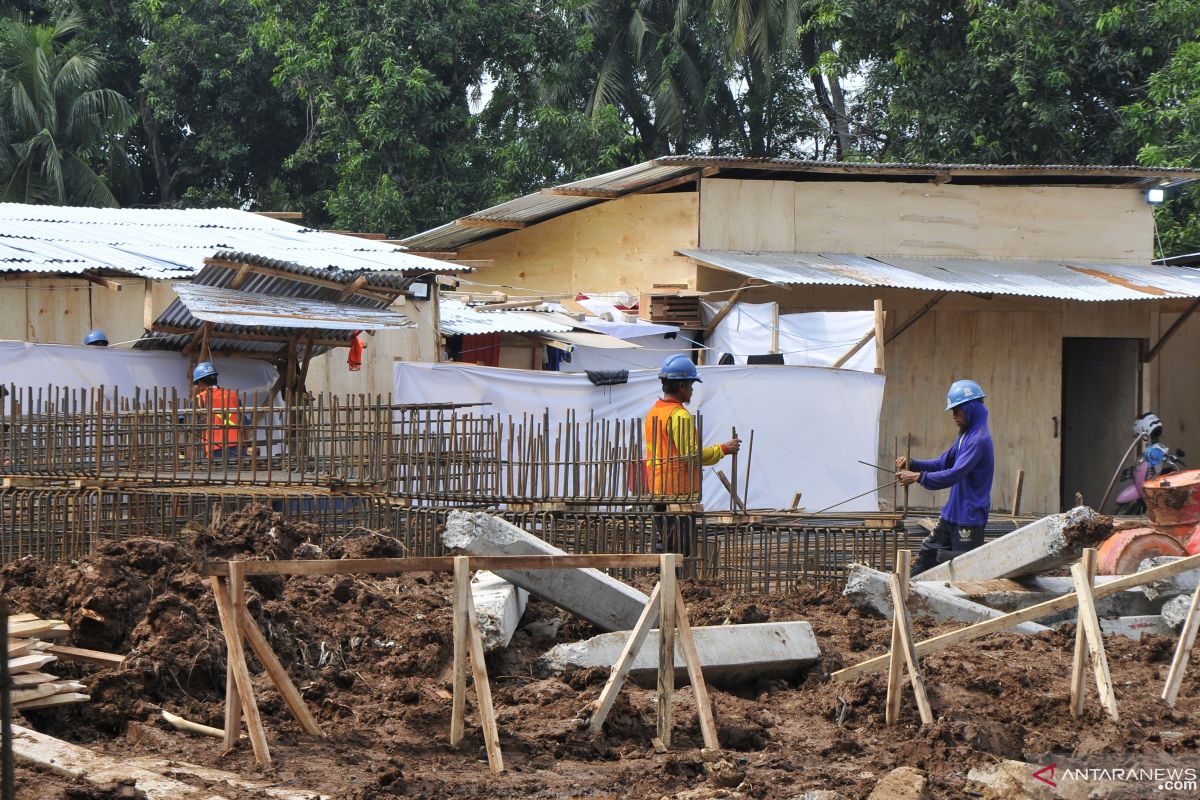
pixel 963 392
pixel 679 367
pixel 204 369
pixel 95 336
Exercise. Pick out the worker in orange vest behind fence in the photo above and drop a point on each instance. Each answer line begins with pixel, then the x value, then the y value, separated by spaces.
pixel 673 452
pixel 222 435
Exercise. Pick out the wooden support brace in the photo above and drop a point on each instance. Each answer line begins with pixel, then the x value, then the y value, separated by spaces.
pixel 283 684
pixel 243 690
pixel 737 501
pixel 725 309
pixel 1016 503
pixel 900 612
pixel 620 670
pixel 483 689
pixel 879 340
pixel 1187 641
pixel 462 592
pixel 859 345
pixel 687 644
pixel 1079 662
pixel 1095 639
pixel 666 647
pixel 896 666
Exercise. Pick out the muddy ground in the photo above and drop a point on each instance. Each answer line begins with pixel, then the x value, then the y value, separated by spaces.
pixel 371 657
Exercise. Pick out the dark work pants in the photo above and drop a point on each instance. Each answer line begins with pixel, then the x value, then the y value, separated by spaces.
pixel 675 533
pixel 945 542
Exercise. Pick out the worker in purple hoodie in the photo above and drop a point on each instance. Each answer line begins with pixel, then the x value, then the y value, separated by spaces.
pixel 966 469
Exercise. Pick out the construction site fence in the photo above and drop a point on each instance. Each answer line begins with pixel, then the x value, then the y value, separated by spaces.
pixel 441 453
pixel 766 557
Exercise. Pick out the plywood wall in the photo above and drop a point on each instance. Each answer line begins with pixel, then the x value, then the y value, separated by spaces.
pixel 881 218
pixel 621 244
pixel 62 310
pixel 1176 381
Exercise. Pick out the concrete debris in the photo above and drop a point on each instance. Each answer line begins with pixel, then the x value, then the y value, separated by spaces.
pixel 1162 590
pixel 1046 544
pixel 729 654
pixel 819 794
pixel 499 606
pixel 904 783
pixel 870 590
pixel 606 602
pixel 1175 611
pixel 1008 595
pixel 1134 627
pixel 1013 780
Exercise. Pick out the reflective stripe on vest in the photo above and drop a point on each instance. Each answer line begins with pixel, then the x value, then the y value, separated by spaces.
pixel 226 419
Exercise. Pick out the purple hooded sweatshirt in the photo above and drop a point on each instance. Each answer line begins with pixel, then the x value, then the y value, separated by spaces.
pixel 966 468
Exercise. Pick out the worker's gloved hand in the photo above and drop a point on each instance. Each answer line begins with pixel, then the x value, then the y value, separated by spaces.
pixel 907 478
pixel 732 446
pixel 902 462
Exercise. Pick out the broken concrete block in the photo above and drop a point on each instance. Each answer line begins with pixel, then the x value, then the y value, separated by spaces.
pixel 870 590
pixel 498 606
pixel 1175 611
pixel 1134 627
pixel 1162 590
pixel 1050 542
pixel 904 783
pixel 590 594
pixel 1008 594
pixel 1013 780
pixel 729 654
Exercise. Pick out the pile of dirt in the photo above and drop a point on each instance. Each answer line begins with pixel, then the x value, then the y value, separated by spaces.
pixel 372 657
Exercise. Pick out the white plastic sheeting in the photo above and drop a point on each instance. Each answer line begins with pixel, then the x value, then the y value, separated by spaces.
pixel 811 425
pixel 814 339
pixel 649 354
pixel 78 367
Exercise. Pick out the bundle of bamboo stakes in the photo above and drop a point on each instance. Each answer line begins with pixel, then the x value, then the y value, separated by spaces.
pixel 30 647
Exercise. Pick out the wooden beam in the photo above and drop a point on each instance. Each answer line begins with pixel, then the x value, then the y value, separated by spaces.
pixel 620 670
pixel 85 656
pixel 383 294
pixel 106 283
pixel 879 338
pixel 278 674
pixel 475 222
pixel 724 312
pixel 242 274
pixel 359 234
pixel 243 337
pixel 706 172
pixel 859 345
pixel 395 566
pixel 236 657
pixel 1079 659
pixel 1095 639
pixel 281 214
pixel 687 646
pixel 896 664
pixel 922 311
pixel 1171 331
pixel 1045 609
pixel 483 688
pixel 461 630
pixel 1187 641
pixel 900 613
pixel 568 191
pixel 666 647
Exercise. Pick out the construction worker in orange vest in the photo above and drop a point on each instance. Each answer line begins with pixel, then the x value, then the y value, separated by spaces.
pixel 673 452
pixel 221 439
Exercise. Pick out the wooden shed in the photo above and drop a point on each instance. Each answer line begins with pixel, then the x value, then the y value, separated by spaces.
pixel 65 271
pixel 1037 282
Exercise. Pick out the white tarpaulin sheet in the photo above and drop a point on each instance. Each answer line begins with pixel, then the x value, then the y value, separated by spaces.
pixel 78 367
pixel 814 339
pixel 650 353
pixel 811 425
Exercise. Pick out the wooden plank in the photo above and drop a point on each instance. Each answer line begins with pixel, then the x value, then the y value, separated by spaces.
pixel 475 222
pixel 896 666
pixel 392 566
pixel 1016 503
pixel 900 611
pixel 620 670
pixel 725 309
pixel 63 699
pixel 462 593
pixel 879 338
pixel 666 647
pixel 1095 639
pixel 1079 660
pixel 687 645
pixel 980 629
pixel 77 762
pixel 34 693
pixel 24 617
pixel 171 767
pixel 483 690
pixel 20 647
pixel 32 628
pixel 922 311
pixel 34 678
pixel 237 664
pixel 86 656
pixel 28 663
pixel 859 345
pixel 1183 651
pixel 283 684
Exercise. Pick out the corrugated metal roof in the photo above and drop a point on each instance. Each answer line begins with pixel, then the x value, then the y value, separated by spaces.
pixel 234 307
pixel 172 244
pixel 1063 280
pixel 534 208
pixel 459 319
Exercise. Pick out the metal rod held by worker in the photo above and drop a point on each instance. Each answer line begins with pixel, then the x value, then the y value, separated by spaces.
pixel 848 499
pixel 876 466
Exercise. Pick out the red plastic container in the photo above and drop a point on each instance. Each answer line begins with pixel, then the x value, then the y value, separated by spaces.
pixel 1173 502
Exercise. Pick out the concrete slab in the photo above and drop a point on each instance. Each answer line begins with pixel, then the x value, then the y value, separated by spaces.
pixel 729 654
pixel 1008 594
pixel 1164 590
pixel 870 589
pixel 1135 627
pixel 1050 542
pixel 606 602
pixel 499 606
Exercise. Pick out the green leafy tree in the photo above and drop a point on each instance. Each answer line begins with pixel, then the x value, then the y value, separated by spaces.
pixel 61 131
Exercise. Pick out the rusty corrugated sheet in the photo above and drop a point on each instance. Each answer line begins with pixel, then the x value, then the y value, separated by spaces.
pixel 235 307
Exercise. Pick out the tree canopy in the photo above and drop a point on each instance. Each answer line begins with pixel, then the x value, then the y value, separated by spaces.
pixel 396 115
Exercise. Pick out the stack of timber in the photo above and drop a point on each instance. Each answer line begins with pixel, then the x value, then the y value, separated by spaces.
pixel 675 309
pixel 30 648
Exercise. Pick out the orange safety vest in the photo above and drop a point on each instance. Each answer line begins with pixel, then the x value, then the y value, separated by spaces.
pixel 668 472
pixel 226 419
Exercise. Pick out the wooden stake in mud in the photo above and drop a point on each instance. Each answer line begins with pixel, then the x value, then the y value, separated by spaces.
pixel 1187 641
pixel 904 628
pixel 1079 663
pixel 687 644
pixel 237 663
pixel 464 612
pixel 1095 639
pixel 620 671
pixel 666 647
pixel 896 667
pixel 462 591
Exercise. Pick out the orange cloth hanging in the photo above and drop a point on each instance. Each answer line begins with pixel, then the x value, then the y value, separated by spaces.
pixel 354 357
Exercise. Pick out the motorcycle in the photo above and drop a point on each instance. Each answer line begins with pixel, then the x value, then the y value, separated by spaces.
pixel 1157 459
